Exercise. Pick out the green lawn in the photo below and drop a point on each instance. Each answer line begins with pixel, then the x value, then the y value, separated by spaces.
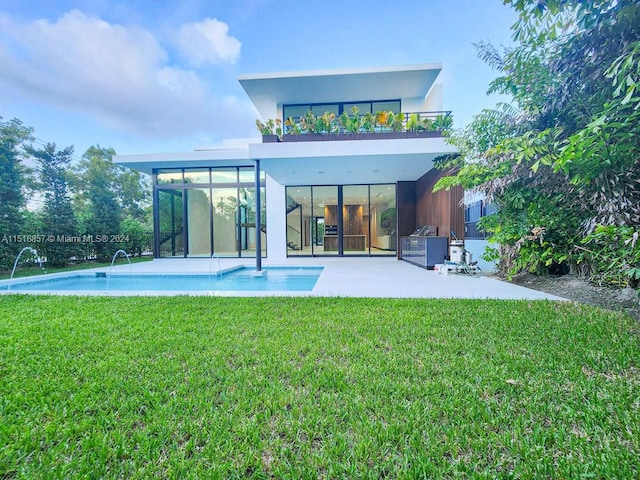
pixel 316 388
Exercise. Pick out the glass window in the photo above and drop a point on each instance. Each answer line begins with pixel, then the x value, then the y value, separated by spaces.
pixel 225 221
pixel 319 110
pixel 170 221
pixel 224 175
pixel 473 212
pixel 355 218
pixel 393 106
pixel 295 111
pixel 248 175
pixel 363 108
pixel 196 175
pixel 383 219
pixel 302 230
pixel 247 212
pixel 169 176
pixel 198 222
pixel 325 209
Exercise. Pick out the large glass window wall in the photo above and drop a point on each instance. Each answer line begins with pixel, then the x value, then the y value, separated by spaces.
pixel 205 211
pixel 300 110
pixel 341 220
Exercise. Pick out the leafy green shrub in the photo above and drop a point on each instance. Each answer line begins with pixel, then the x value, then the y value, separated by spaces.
pixel 612 255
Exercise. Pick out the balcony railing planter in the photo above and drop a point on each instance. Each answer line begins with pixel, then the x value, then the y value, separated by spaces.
pixel 271 130
pixel 333 137
pixel 382 126
pixel 424 134
pixel 270 138
pixel 307 137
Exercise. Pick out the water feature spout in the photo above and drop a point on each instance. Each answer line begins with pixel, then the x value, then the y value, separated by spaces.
pixel 15 264
pixel 115 255
pixel 213 255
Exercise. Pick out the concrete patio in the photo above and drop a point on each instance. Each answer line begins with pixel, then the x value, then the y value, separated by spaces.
pixel 355 277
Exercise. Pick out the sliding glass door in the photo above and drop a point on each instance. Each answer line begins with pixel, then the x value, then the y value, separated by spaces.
pixel 325 212
pixel 341 220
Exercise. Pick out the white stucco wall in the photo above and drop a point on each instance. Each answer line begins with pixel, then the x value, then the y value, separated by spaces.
pixel 477 247
pixel 434 101
pixel 276 221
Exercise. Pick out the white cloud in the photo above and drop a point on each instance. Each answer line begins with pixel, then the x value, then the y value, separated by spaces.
pixel 118 74
pixel 207 42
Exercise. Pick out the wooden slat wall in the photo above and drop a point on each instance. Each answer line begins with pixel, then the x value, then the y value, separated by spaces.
pixel 441 208
pixel 352 219
pixel 406 210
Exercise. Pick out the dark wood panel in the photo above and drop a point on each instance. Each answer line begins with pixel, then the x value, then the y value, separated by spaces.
pixel 352 219
pixel 352 243
pixel 442 208
pixel 330 214
pixel 405 209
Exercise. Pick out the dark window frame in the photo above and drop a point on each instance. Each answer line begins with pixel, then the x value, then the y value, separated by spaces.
pixel 340 105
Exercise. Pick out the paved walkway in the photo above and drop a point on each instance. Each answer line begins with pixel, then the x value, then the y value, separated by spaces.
pixel 359 277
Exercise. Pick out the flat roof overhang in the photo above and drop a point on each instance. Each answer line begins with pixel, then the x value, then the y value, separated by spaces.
pixel 236 157
pixel 349 162
pixel 312 163
pixel 383 83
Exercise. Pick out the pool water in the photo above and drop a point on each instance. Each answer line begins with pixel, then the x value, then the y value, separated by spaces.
pixel 290 279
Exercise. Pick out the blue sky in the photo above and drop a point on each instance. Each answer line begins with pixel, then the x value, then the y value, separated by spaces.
pixel 146 77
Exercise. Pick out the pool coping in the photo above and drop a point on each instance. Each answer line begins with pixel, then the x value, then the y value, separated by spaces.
pixel 341 277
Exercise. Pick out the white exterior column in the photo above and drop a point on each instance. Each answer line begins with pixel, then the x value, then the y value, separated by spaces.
pixel 276 221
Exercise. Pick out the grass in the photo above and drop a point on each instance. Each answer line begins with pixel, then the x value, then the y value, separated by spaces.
pixel 31 269
pixel 316 388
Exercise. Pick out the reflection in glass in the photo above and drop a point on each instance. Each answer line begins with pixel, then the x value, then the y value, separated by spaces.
pixel 325 211
pixel 225 221
pixel 355 219
pixel 248 175
pixel 393 106
pixel 170 216
pixel 224 175
pixel 196 175
pixel 319 110
pixel 169 176
pixel 198 222
pixel 298 215
pixel 247 212
pixel 383 219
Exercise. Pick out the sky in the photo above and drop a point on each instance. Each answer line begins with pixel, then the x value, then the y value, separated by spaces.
pixel 161 76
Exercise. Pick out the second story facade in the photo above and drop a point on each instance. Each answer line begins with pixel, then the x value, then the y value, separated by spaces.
pixel 345 104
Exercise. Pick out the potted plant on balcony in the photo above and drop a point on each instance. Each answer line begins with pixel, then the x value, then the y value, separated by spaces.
pixel 428 125
pixel 390 125
pixel 368 123
pixel 271 130
pixel 326 123
pixel 308 123
pixel 395 121
pixel 291 127
pixel 413 123
pixel 351 124
pixel 442 122
pixel 381 121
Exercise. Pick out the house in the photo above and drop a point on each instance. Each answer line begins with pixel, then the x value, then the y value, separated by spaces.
pixel 350 173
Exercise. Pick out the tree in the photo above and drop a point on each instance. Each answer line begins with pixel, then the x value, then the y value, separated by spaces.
pixel 97 202
pixel 570 160
pixel 13 178
pixel 58 219
pixel 134 193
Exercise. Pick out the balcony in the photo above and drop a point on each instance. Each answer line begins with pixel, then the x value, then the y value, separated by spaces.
pixel 381 126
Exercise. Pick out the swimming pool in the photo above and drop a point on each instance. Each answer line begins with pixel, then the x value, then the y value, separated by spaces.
pixel 242 279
